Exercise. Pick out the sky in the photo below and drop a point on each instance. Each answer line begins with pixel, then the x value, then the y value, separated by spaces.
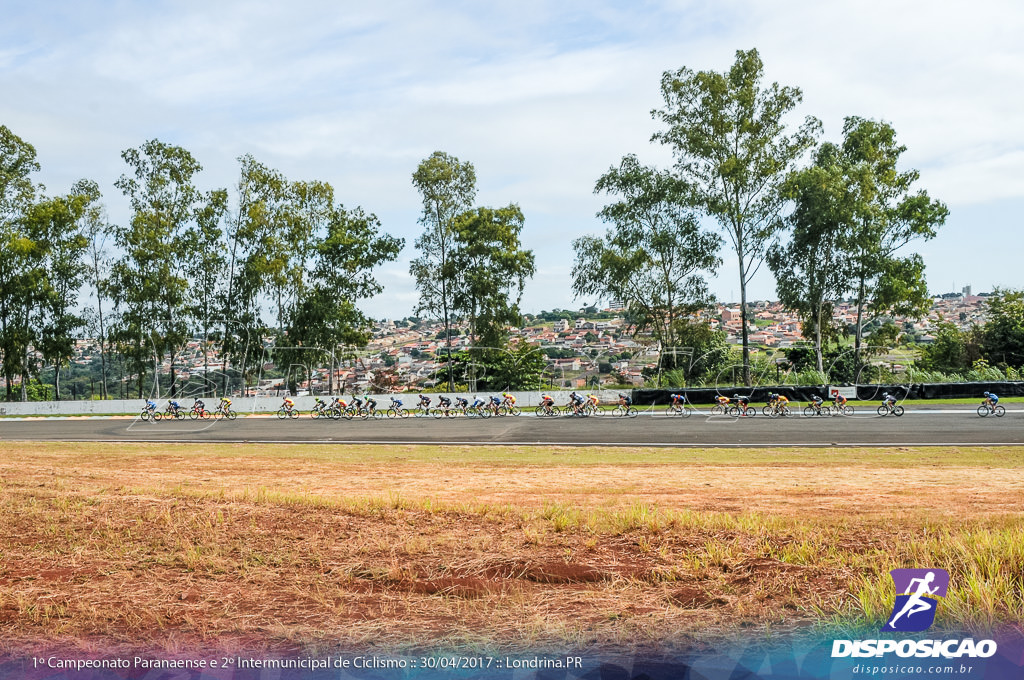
pixel 541 97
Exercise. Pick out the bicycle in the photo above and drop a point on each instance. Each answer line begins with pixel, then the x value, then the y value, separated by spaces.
pixel 742 408
pixel 199 412
pixel 720 408
pixel 283 413
pixel 841 409
pixel 170 414
pixel 817 410
pixel 320 410
pixel 396 410
pixel 985 409
pixel 681 409
pixel 775 410
pixel 225 411
pixel 148 412
pixel 509 410
pixel 886 408
pixel 624 411
pixel 546 411
pixel 478 411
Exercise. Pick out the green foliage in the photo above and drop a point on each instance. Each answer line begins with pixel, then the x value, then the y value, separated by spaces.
pixel 655 258
pixel 1003 334
pixel 448 188
pixel 490 269
pixel 732 151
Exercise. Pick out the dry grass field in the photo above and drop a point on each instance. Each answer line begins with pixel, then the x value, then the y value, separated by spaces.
pixel 232 548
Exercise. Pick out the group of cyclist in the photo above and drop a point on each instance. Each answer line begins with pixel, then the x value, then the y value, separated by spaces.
pixel 198 409
pixel 505 404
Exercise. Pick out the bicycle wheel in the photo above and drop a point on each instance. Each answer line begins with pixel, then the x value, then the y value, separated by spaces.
pixel 718 410
pixel 983 410
pixel 144 415
pixel 539 412
pixel 315 413
pixel 193 414
pixel 294 413
pixel 282 414
pixel 1000 411
pixel 767 410
pixel 733 411
pixel 631 412
pixel 882 410
pixel 808 410
pixel 377 415
pixel 231 414
pixel 437 413
pixel 157 415
pixel 515 410
pixel 179 415
pixel 898 410
pixel 847 410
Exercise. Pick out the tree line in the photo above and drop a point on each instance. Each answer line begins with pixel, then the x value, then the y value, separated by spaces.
pixel 834 228
pixel 275 258
pixel 283 258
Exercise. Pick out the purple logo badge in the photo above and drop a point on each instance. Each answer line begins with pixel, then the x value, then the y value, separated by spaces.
pixel 917 597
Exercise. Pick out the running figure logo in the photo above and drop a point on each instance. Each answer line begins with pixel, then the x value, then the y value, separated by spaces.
pixel 917 597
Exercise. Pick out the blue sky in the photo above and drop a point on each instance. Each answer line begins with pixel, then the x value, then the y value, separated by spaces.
pixel 542 97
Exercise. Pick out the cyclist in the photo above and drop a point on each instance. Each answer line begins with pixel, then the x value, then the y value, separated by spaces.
pixel 478 402
pixel 576 402
pixel 888 400
pixel 547 401
pixel 625 400
pixel 371 403
pixel 991 399
pixel 424 402
pixel 357 402
pixel 319 406
pixel 677 399
pixel 396 404
pixel 838 399
pixel 462 404
pixel 742 403
pixel 508 399
pixel 173 407
pixel 592 398
pixel 722 400
pixel 816 402
pixel 779 402
pixel 150 406
pixel 288 404
pixel 225 405
pixel 444 402
pixel 495 404
pixel 198 406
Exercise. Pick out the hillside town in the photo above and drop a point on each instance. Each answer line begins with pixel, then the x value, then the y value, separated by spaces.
pixel 582 349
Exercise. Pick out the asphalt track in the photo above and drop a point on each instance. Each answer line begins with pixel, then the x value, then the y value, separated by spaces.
pixel 919 427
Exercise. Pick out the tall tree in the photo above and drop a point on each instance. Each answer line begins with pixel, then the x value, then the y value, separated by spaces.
pixel 812 270
pixel 206 270
pixel 887 215
pixel 54 225
pixel 150 284
pixel 731 146
pixel 448 189
pixel 96 229
pixel 256 261
pixel 17 286
pixel 492 269
pixel 654 258
pixel 345 252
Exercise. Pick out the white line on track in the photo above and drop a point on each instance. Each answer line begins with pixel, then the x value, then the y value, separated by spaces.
pixel 425 442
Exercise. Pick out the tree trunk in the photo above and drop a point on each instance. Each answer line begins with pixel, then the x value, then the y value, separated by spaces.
pixel 859 331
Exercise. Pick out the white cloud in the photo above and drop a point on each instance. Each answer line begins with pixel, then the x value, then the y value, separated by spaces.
pixel 541 97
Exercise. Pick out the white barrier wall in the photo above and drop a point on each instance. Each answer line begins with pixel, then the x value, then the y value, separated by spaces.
pixel 265 404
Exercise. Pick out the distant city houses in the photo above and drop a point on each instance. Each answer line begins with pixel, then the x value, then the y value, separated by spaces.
pixel 581 351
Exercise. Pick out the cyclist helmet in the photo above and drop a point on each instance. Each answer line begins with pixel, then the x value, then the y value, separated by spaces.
pixel 988 394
